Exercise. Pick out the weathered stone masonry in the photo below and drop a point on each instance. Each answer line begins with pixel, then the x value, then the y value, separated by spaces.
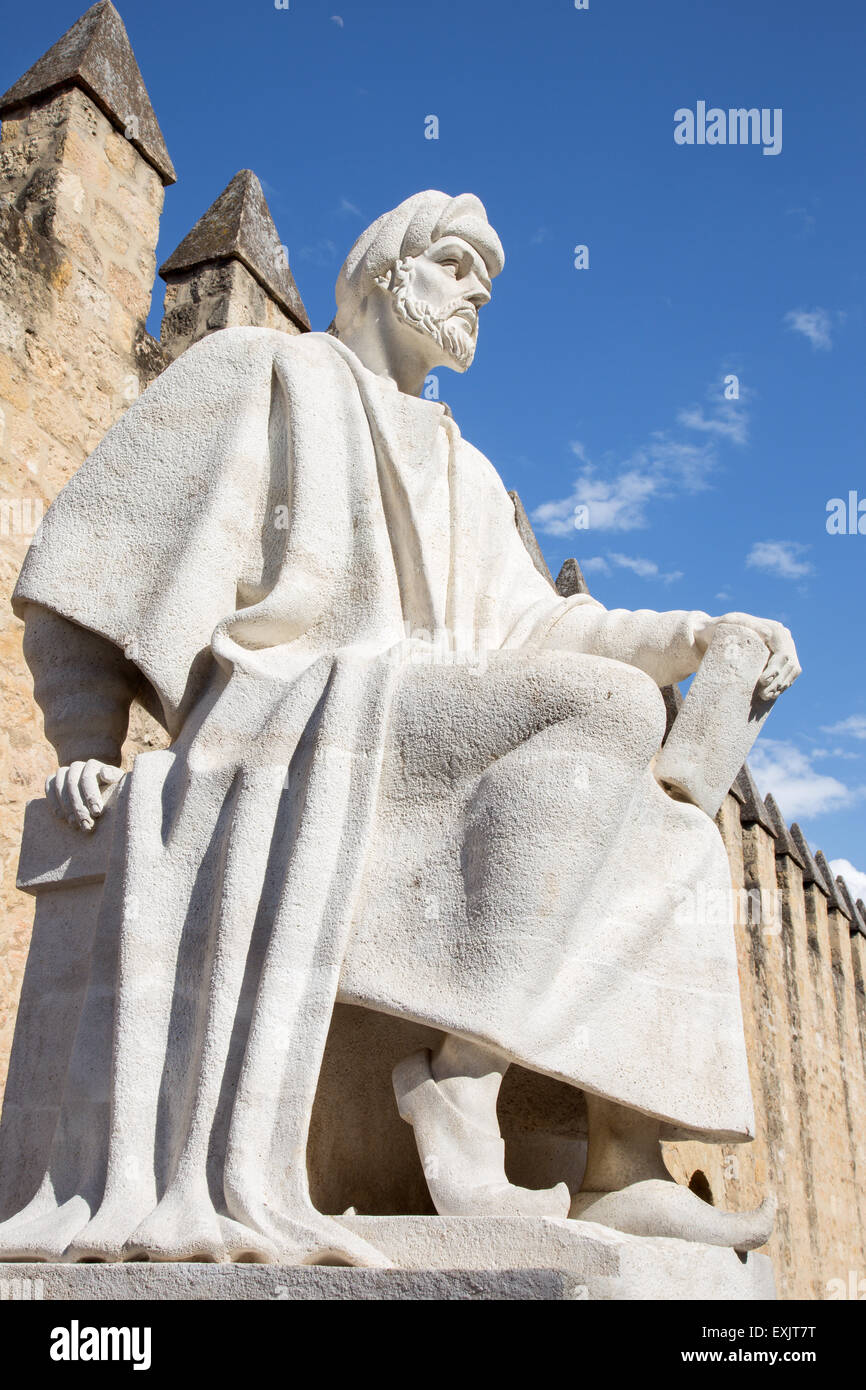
pixel 83 168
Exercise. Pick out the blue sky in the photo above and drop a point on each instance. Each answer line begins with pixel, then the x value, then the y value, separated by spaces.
pixel 602 385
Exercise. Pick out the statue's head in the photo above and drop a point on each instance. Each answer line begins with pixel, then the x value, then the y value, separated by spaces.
pixel 429 264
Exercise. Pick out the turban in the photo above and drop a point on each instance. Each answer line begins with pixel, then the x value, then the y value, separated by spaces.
pixel 408 230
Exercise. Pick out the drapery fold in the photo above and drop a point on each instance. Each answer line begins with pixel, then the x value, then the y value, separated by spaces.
pixel 258 527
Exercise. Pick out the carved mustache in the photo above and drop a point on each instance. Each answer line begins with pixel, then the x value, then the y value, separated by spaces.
pixel 460 308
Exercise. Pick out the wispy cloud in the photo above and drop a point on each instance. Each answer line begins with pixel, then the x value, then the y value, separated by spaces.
pixel 338 20
pixel 620 503
pixel 855 725
pixel 783 769
pixel 855 878
pixel 729 422
pixel 804 218
pixel 644 569
pixel 781 558
pixel 618 498
pixel 814 324
pixel 346 206
pixel 322 253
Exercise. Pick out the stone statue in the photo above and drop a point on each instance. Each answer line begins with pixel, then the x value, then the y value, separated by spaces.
pixel 404 773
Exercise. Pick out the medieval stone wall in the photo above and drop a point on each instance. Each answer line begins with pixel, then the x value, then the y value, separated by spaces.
pixel 81 192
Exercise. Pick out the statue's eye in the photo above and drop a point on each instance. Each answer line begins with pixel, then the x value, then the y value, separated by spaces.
pixel 452 264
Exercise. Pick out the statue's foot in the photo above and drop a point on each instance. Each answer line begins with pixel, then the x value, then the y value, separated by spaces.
pixel 179 1230
pixel 463 1158
pixel 659 1208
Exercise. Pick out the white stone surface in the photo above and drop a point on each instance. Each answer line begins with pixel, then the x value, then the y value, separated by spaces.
pixel 405 774
pixel 608 1264
pixel 719 722
pixel 454 1257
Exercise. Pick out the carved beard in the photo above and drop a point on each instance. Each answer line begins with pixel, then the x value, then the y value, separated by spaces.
pixel 456 339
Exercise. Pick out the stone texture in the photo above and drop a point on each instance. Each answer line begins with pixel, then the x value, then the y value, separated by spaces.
pixel 214 296
pixel 147 496
pixel 719 721
pixel 785 846
pixel 79 210
pixel 812 876
pixel 570 579
pixel 528 536
pixel 95 55
pixel 239 226
pixel 753 812
pixel 287 1283
pixel 451 1258
pixel 53 166
pixel 837 899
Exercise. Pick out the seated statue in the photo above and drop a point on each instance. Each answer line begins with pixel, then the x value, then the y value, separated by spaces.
pixel 403 773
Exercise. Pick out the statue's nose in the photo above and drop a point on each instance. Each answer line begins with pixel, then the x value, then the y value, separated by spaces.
pixel 477 294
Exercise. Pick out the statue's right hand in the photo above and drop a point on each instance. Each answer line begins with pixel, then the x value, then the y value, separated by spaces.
pixel 75 792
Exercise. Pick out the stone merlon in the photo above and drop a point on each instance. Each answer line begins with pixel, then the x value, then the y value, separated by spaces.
pixel 96 55
pixel 753 811
pixel 239 226
pixel 812 876
pixel 784 839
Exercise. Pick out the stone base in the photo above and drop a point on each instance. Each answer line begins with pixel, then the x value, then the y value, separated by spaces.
pixel 437 1258
pixel 165 1283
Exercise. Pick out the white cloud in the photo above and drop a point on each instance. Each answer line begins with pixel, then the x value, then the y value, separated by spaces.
pixel 814 324
pixel 784 770
pixel 595 564
pixel 855 878
pixel 780 558
pixel 617 505
pixel 338 20
pixel 346 206
pixel 855 726
pixel 620 503
pixel 645 569
pixel 730 423
pixel 665 466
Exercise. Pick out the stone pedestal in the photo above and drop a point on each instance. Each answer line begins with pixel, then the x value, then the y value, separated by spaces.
pixel 437 1258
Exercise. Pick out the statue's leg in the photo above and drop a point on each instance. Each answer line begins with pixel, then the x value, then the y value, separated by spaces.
pixel 627 1186
pixel 449 1098
pixel 624 1147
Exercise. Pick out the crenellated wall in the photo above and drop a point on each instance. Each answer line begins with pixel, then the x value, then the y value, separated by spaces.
pixel 82 175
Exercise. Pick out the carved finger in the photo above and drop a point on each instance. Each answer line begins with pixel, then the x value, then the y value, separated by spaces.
pixel 770 675
pixel 60 781
pixel 80 815
pixel 784 679
pixel 53 796
pixel 108 775
pixel 89 786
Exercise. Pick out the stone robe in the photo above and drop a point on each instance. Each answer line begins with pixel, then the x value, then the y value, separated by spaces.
pixel 404 773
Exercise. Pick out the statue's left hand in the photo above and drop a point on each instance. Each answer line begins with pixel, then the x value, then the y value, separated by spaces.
pixel 75 792
pixel 783 666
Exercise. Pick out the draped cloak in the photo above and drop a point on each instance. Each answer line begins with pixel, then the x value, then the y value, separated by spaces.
pixel 404 773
